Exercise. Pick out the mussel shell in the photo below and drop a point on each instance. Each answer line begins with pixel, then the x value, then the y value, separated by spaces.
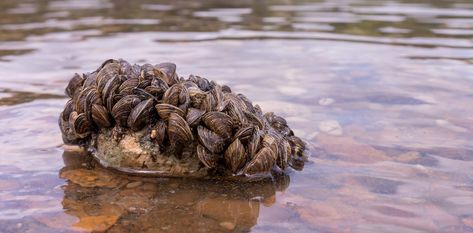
pixel 196 96
pixel 72 117
pixel 125 67
pixel 92 97
pixel 140 115
pixel 184 99
pixel 81 125
pixel 121 110
pixel 143 94
pixel 255 119
pixel 112 100
pixel 147 71
pixel 254 144
pixel 155 91
pixel 235 156
pixel 169 71
pixel 127 86
pixel 178 129
pixel 165 110
pixel 271 140
pixel 298 146
pixel 234 111
pixel 247 102
pixel 109 71
pixel 209 103
pixel 135 71
pixel 105 63
pixel 171 96
pixel 90 80
pixel 218 95
pixel 219 122
pixel 110 87
pixel 157 82
pixel 68 136
pixel 75 84
pixel 222 105
pixel 80 97
pixel 226 89
pixel 203 84
pixel 284 153
pixel 144 83
pixel 160 128
pixel 193 116
pixel 214 143
pixel 209 160
pixel 244 133
pixel 262 163
pixel 68 108
pixel 101 116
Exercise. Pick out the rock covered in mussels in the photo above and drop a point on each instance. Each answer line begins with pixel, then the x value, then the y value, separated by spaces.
pixel 145 119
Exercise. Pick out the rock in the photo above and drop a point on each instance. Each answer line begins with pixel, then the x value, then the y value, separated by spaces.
pixel 468 221
pixel 241 213
pixel 96 223
pixel 134 184
pixel 328 216
pixel 326 101
pixel 228 225
pixel 331 127
pixel 347 149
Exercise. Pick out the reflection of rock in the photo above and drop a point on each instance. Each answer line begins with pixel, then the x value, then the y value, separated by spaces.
pixel 236 212
pixel 347 149
pixel 90 178
pixel 103 200
pixel 96 223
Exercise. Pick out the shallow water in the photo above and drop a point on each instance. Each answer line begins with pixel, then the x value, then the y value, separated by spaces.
pixel 381 90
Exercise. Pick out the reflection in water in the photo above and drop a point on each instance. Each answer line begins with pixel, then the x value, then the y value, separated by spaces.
pixel 9 97
pixel 104 200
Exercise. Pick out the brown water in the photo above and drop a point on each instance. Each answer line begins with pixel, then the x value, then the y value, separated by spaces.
pixel 381 90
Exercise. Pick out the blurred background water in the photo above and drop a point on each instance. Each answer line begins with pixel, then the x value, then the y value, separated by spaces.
pixel 381 90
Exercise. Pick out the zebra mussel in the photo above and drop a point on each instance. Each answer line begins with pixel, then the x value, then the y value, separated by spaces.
pixel 146 119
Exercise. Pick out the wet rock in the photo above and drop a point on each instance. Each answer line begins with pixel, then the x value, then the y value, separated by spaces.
pixel 134 184
pixel 90 178
pixel 240 213
pixel 228 225
pixel 96 223
pixel 347 149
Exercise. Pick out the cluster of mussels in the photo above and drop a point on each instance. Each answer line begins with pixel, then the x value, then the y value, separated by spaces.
pixel 225 129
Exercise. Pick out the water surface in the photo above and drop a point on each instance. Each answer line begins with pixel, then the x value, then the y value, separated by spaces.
pixel 381 90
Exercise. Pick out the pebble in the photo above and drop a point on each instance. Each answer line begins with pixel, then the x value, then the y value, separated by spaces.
pixel 227 225
pixel 331 127
pixel 326 101
pixel 154 134
pixel 134 184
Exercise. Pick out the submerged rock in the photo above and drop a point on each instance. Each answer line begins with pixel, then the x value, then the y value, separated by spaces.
pixel 147 120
